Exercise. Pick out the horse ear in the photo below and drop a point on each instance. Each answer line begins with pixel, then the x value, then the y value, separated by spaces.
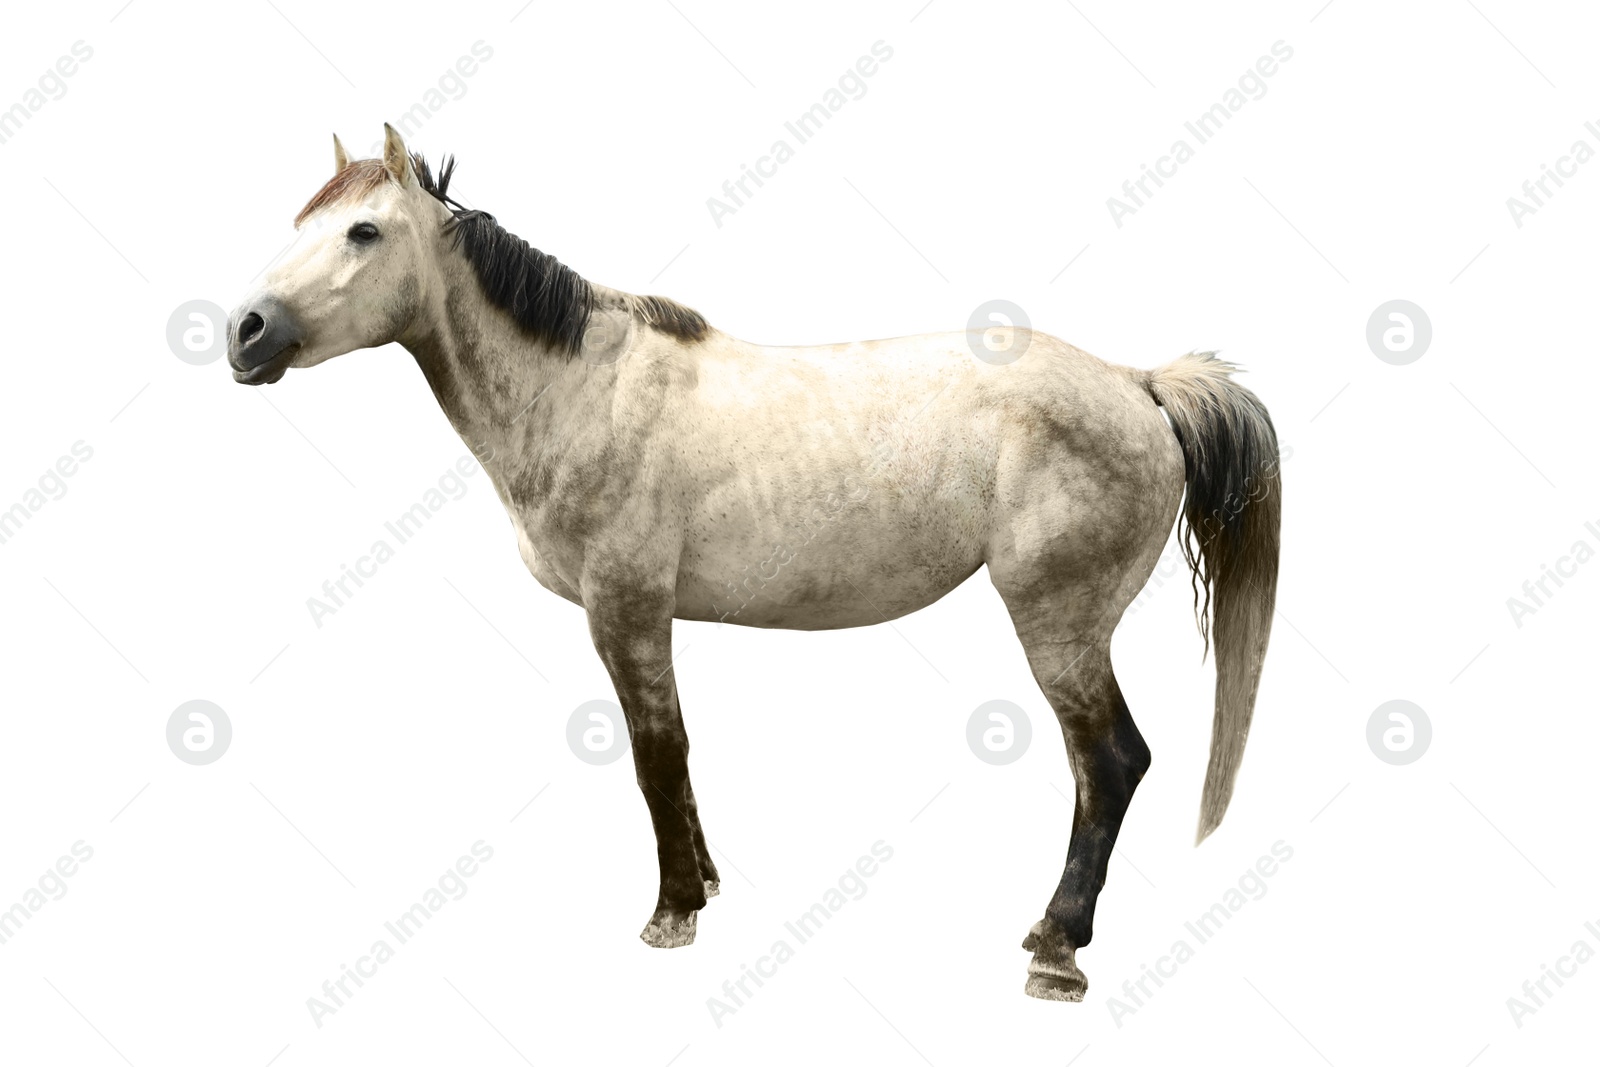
pixel 395 157
pixel 341 158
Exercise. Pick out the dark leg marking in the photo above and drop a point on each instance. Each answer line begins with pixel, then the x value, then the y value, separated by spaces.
pixel 1108 759
pixel 634 640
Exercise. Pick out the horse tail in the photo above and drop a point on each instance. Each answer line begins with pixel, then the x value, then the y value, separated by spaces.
pixel 1232 503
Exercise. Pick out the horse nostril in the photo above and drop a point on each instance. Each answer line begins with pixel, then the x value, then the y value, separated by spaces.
pixel 250 328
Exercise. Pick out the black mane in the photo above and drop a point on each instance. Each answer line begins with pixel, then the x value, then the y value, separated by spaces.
pixel 548 299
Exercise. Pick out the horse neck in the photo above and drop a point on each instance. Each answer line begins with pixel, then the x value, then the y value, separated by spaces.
pixel 496 385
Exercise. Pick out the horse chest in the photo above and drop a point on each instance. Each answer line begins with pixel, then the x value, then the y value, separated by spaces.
pixel 569 517
pixel 557 572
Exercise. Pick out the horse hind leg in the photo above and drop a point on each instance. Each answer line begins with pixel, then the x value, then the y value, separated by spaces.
pixel 1108 759
pixel 1070 658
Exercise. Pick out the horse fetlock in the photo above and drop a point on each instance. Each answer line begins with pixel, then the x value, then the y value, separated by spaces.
pixel 684 892
pixel 707 869
pixel 1067 930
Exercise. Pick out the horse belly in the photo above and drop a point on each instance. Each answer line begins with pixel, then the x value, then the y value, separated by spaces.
pixel 861 555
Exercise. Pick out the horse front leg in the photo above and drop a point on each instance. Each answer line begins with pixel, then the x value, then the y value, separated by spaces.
pixel 633 634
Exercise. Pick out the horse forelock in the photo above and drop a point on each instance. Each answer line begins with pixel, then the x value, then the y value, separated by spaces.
pixel 356 180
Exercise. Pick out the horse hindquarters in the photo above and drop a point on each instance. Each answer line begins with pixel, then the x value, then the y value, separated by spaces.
pixel 1076 538
pixel 1067 592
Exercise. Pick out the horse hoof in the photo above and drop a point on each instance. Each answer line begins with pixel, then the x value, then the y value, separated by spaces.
pixel 1031 942
pixel 669 930
pixel 1055 976
pixel 1056 987
pixel 713 887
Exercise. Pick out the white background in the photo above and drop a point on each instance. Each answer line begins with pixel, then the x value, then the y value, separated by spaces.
pixel 370 753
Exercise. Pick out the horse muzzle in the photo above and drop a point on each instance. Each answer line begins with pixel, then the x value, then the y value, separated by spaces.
pixel 263 338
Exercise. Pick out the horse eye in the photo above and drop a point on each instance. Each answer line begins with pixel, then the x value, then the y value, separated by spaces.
pixel 363 233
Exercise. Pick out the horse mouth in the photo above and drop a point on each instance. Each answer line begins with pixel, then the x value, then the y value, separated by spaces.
pixel 270 371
